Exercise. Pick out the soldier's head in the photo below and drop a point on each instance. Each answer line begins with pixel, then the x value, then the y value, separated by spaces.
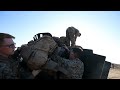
pixel 7 45
pixel 77 31
pixel 75 53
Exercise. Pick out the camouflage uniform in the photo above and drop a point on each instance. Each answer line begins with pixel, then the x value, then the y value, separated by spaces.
pixel 71 35
pixel 8 68
pixel 75 67
pixel 60 68
pixel 24 71
pixel 13 69
pixel 63 40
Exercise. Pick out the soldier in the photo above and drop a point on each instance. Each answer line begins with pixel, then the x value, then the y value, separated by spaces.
pixel 71 35
pixel 8 66
pixel 40 61
pixel 73 65
pixel 68 65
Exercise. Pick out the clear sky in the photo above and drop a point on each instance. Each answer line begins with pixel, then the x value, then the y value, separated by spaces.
pixel 99 29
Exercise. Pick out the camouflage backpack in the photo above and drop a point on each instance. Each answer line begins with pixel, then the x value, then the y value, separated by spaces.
pixel 37 51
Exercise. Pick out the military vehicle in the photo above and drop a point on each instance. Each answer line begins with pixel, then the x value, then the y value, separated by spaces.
pixel 95 65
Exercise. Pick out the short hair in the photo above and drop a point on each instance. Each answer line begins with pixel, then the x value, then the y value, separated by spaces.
pixel 5 35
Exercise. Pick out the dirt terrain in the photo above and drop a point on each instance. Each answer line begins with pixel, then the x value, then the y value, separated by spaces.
pixel 114 72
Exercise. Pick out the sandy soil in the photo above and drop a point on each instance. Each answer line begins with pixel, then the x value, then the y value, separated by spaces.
pixel 114 74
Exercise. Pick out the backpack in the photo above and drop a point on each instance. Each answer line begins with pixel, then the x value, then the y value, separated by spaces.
pixel 37 51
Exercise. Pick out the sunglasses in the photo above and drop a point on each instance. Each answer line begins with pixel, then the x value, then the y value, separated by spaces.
pixel 10 46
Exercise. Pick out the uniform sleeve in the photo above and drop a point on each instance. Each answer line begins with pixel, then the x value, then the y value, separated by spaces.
pixel 6 72
pixel 74 67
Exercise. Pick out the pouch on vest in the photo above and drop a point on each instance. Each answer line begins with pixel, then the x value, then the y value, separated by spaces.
pixel 36 54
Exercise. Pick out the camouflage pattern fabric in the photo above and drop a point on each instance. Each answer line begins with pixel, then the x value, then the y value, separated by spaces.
pixel 75 67
pixel 50 68
pixel 71 35
pixel 8 68
pixel 36 53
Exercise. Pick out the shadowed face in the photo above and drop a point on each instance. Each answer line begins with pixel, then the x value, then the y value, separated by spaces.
pixel 7 48
pixel 72 55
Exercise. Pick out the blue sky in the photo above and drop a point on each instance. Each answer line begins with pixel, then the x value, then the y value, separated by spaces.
pixel 99 29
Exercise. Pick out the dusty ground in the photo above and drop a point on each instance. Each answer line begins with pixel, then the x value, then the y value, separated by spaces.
pixel 114 74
